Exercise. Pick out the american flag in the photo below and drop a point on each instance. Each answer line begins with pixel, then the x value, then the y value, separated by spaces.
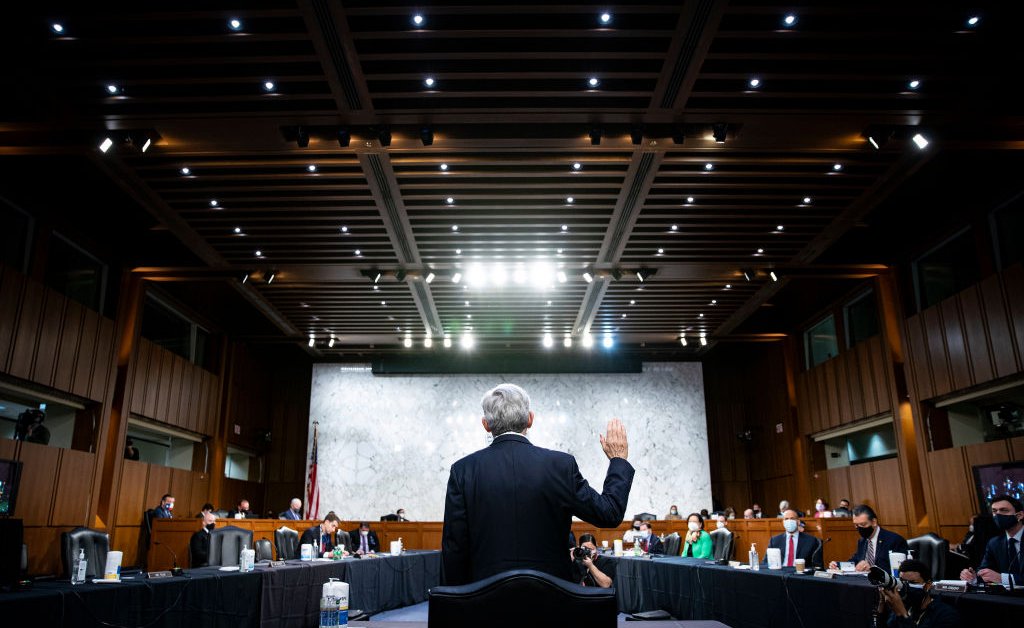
pixel 312 486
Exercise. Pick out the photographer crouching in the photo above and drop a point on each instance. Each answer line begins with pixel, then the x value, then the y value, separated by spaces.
pixel 910 600
pixel 585 570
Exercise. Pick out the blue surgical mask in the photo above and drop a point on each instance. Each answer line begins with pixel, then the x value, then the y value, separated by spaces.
pixel 790 525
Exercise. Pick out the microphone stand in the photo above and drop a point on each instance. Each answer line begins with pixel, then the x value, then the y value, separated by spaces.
pixel 820 548
pixel 176 570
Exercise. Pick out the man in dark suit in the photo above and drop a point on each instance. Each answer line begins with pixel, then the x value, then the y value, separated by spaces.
pixel 241 511
pixel 1003 562
pixel 199 544
pixel 165 509
pixel 364 539
pixel 794 544
pixel 294 512
pixel 648 540
pixel 322 537
pixel 875 543
pixel 510 505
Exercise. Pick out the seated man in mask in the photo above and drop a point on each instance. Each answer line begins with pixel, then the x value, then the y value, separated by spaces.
pixel 648 540
pixel 918 609
pixel 199 544
pixel 586 571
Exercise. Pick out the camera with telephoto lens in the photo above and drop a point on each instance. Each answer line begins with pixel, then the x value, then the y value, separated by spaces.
pixel 579 553
pixel 884 580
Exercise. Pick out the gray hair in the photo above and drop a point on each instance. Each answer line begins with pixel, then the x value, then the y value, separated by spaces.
pixel 506 409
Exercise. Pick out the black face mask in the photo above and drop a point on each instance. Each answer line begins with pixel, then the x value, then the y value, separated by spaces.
pixel 865 533
pixel 915 597
pixel 211 526
pixel 1005 522
pixel 636 527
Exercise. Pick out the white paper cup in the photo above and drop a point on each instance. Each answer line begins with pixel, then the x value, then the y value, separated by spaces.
pixel 604 544
pixel 800 564
pixel 112 570
pixel 396 548
pixel 306 551
pixel 774 558
pixel 618 547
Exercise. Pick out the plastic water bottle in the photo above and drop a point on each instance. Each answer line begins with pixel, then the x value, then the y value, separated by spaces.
pixel 246 559
pixel 755 562
pixel 79 567
pixel 328 611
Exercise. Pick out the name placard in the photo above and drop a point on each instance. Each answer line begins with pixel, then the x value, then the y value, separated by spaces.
pixel 152 575
pixel 828 575
pixel 276 563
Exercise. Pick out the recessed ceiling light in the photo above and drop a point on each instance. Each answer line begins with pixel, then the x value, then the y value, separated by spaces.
pixel 418 19
pixel 457 277
pixel 185 171
pixel 450 200
pixel 238 230
pixel 674 228
pixel 703 341
pixel 973 20
pixel 235 24
pixel 709 166
pixel 577 166
pixel 112 88
pixel 606 18
pixel 714 301
pixel 344 229
pixel 429 81
pixel 807 200
pixel 311 167
pixel 920 140
pixel 444 167
pixel 569 199
pixel 565 227
pixel 562 277
pixel 57 27
pixel 268 86
pixel 469 316
pixel 357 253
pixel 466 303
pixel 455 227
pixel 214 203
pixel 587 277
pixel 559 251
pixel 632 301
pixel 754 83
pixel 467 341
pixel 780 228
pixel 914 84
pixel 623 316
pixel 701 315
pixel 548 341
pixel 661 251
pixel 789 20
pixel 593 81
pixel 458 251
pixel 567 341
pixel 689 199
pixel 837 167
pixel 728 286
pixel 760 251
pixel 608 341
pixel 259 253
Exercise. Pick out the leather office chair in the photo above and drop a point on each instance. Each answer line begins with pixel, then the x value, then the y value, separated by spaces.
pixel 645 516
pixel 96 545
pixel 226 544
pixel 722 544
pixel 389 517
pixel 498 602
pixel 932 549
pixel 264 551
pixel 287 542
pixel 673 543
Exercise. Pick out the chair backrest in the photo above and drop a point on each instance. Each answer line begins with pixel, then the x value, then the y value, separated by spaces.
pixel 343 538
pixel 931 549
pixel 389 517
pixel 264 550
pixel 498 601
pixel 721 544
pixel 96 545
pixel 645 516
pixel 226 543
pixel 287 542
pixel 672 544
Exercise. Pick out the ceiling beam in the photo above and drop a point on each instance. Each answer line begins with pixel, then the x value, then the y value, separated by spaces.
pixel 328 30
pixel 695 31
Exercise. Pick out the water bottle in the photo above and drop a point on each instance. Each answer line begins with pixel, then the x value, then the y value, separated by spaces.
pixel 79 567
pixel 328 611
pixel 246 559
pixel 755 562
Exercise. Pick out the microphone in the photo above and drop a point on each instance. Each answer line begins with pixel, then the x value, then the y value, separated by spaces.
pixel 820 548
pixel 176 570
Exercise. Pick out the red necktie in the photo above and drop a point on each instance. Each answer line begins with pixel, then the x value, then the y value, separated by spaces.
pixel 789 554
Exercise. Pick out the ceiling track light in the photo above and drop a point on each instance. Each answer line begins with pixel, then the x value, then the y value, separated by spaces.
pixel 301 137
pixel 720 131
pixel 427 136
pixel 636 135
pixel 384 137
pixel 271 276
pixel 678 136
pixel 682 340
pixel 588 277
pixel 400 274
pixel 771 273
pixel 344 137
pixel 644 274
pixel 703 341
pixel 617 273
pixel 330 343
pixel 430 278
pixel 595 136
pixel 748 274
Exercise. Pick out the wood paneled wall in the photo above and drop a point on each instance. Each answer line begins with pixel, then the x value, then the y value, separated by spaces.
pixel 878 484
pixel 53 341
pixel 969 339
pixel 172 390
pixel 851 386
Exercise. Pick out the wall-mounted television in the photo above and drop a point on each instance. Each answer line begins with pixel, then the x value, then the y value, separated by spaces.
pixel 1004 478
pixel 10 474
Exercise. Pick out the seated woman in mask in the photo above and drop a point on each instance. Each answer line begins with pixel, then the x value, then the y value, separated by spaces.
pixel 630 535
pixel 673 513
pixel 696 542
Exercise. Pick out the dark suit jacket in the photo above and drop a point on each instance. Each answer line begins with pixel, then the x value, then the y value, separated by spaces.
pixel 510 506
pixel 248 515
pixel 290 515
pixel 887 542
pixel 371 541
pixel 806 546
pixel 996 559
pixel 162 513
pixel 654 544
pixel 199 549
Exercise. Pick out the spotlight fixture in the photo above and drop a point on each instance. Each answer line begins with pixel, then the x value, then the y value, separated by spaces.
pixel 447 342
pixel 587 277
pixel 754 83
pixel 747 274
pixel 914 84
pixel 57 27
pixel 569 200
pixel 312 341
pixel 214 202
pixel 780 228
pixel 244 279
pixel 588 340
pixel 344 138
pixel 376 275
pixel 548 341
pixel 920 140
pixel 577 165
pixel 467 341
pixel 430 278
pixel 185 171
pixel 565 228
pixel 357 253
pixel 644 274
pixel 837 167
pixel 401 274
pixel 709 167
pixel 593 82
pixel 235 24
pixel 771 273
pixel 146 143
pixel 259 253
pixel 678 136
pixel 457 277
pixel 608 341
pixel 719 132
pixel 636 135
pixel 418 20
pixel 562 278
pixel 567 341
pixel 790 20
pixel 703 341
pixel 384 136
pixel 428 342
pixel 301 137
pixel 238 230
pixel 311 167
pixel 595 136
pixel 451 201
pixel 429 81
pixel 973 21
pixel 605 18
pixel 269 86
pixel 807 200
pixel 407 343
pixel 330 343
pixel 878 136
pixel 427 136
pixel 112 88
pixel 444 167
pixel 106 144
pixel 271 276
pixel 689 200
pixel 344 229
pixel 682 340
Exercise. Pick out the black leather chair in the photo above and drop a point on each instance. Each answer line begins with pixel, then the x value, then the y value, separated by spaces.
pixel 264 551
pixel 226 544
pixel 721 544
pixel 96 545
pixel 498 601
pixel 932 549
pixel 287 542
pixel 645 516
pixel 389 517
pixel 673 543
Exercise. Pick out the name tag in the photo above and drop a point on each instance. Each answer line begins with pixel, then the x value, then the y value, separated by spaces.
pixel 153 575
pixel 277 563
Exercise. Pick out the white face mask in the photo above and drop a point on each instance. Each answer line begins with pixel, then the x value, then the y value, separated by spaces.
pixel 720 524
pixel 790 525
pixel 693 526
pixel 364 532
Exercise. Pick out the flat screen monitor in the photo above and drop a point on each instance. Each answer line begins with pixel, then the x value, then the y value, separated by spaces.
pixel 1004 478
pixel 10 473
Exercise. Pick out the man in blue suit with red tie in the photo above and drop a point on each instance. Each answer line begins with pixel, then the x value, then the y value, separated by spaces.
pixel 875 543
pixel 510 505
pixel 1003 562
